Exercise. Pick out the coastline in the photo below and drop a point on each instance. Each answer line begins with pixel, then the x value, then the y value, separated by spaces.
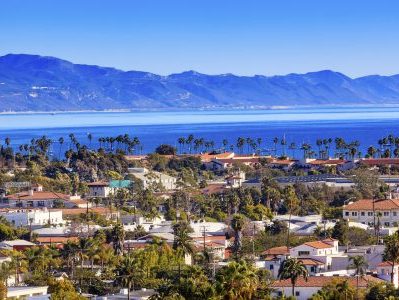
pixel 202 109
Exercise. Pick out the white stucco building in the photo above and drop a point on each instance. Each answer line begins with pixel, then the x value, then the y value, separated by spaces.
pixel 33 217
pixel 149 178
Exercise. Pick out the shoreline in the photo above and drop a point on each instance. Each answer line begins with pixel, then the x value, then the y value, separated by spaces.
pixel 204 109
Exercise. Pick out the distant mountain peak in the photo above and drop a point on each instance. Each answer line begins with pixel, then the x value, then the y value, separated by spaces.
pixel 44 83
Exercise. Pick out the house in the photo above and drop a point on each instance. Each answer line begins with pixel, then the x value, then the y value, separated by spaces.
pixel 153 178
pixel 366 211
pixel 99 189
pixel 222 164
pixel 322 251
pixel 27 292
pixel 304 289
pixel 376 162
pixel 18 245
pixel 32 217
pixel 235 180
pixel 272 258
pixel 109 214
pixel 284 164
pixel 36 198
pixel 320 164
pixel 384 272
pixel 142 294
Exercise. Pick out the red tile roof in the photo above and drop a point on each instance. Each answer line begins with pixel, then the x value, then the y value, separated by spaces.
pixel 310 262
pixel 37 196
pixel 318 245
pixel 214 189
pixel 98 183
pixel 367 204
pixel 380 161
pixel 320 281
pixel 283 250
pixel 56 239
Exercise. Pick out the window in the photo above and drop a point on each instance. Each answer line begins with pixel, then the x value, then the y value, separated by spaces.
pixel 354 213
pixel 362 213
pixel 300 253
pixel 394 213
pixel 271 267
pixel 297 293
pixel 312 269
pixel 280 293
pixel 386 213
pixel 347 213
pixel 386 224
pixel 370 213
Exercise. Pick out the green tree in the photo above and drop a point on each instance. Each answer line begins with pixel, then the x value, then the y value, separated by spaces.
pixel 292 269
pixel 237 224
pixel 237 280
pixel 391 251
pixel 359 264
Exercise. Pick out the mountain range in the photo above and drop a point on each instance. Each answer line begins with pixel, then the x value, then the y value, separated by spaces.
pixel 41 83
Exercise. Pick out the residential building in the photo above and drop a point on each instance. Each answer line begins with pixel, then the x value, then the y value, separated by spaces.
pixel 366 211
pixel 304 289
pixel 153 178
pixel 32 217
pixel 18 245
pixel 27 292
pixel 322 251
pixel 99 189
pixel 384 271
pixel 36 198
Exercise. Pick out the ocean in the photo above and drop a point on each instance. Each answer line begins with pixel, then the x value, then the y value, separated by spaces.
pixel 304 125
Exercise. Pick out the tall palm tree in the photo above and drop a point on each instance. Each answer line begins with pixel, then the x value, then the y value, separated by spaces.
pixel 391 251
pixel 182 243
pixel 292 269
pixel 360 265
pixel 118 236
pixel 237 224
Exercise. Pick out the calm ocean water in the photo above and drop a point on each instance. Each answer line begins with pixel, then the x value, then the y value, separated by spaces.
pixel 366 124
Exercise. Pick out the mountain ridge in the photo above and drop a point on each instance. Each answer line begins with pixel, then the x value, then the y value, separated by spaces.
pixel 45 83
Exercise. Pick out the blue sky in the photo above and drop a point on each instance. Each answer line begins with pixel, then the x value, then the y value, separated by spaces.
pixel 245 37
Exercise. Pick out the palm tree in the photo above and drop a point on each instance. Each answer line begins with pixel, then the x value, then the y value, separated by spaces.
pixel 182 242
pixel 238 280
pixel 128 272
pixel 391 252
pixel 237 224
pixel 89 137
pixel 360 265
pixel 292 268
pixel 118 236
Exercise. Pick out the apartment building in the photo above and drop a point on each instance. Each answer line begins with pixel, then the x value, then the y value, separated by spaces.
pixel 366 211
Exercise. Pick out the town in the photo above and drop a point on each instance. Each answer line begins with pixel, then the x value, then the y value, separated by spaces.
pixel 198 222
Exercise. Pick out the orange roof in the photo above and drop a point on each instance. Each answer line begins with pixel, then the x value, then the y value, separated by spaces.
pixel 56 239
pixel 318 245
pixel 214 189
pixel 380 161
pixel 283 250
pixel 367 204
pixel 310 262
pixel 36 196
pixel 320 281
pixel 78 211
pixel 98 183
pixel 241 160
pixel 385 264
pixel 208 157
pixel 281 162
